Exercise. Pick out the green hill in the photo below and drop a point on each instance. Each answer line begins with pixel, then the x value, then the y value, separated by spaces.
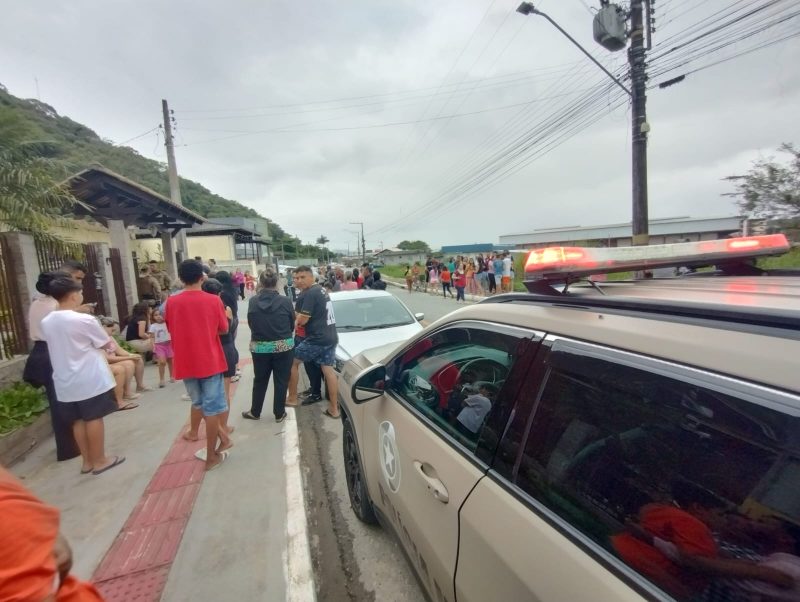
pixel 79 146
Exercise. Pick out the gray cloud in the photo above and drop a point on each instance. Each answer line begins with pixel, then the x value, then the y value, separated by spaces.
pixel 108 64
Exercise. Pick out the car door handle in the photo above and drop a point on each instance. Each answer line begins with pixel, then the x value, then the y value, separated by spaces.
pixel 435 486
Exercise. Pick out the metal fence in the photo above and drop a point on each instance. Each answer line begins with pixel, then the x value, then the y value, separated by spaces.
pixel 13 335
pixel 53 254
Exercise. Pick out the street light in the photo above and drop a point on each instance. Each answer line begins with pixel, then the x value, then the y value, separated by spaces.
pixel 527 8
pixel 640 127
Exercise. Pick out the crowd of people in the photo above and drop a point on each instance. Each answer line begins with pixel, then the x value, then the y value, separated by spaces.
pixel 480 275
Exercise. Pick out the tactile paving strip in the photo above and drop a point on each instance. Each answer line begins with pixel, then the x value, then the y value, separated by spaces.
pixel 136 567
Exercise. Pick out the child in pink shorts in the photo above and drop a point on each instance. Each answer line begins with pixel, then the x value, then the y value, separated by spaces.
pixel 162 346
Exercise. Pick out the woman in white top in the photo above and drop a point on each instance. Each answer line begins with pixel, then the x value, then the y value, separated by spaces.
pixel 38 370
pixel 83 381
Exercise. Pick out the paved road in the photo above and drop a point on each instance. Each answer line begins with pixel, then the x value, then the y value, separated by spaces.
pixel 352 561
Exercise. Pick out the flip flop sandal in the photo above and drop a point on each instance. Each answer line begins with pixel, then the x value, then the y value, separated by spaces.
pixel 223 455
pixel 329 415
pixel 117 461
pixel 128 406
pixel 86 471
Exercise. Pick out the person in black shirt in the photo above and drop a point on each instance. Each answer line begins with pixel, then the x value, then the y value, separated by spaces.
pixel 316 324
pixel 377 283
pixel 271 318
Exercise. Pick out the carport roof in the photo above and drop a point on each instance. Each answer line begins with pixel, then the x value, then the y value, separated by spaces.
pixel 111 196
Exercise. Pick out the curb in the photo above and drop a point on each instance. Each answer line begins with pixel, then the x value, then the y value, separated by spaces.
pixel 298 569
pixel 473 298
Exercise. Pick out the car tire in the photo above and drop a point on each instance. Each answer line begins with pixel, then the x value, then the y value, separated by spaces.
pixel 354 473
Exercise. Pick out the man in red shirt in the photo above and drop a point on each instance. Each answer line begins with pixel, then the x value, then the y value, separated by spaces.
pixel 195 320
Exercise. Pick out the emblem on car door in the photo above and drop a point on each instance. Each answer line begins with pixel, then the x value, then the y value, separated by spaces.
pixel 387 450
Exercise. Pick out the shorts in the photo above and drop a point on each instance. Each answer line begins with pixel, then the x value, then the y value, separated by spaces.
pixel 231 358
pixel 208 394
pixel 93 408
pixel 141 345
pixel 506 281
pixel 163 350
pixel 323 355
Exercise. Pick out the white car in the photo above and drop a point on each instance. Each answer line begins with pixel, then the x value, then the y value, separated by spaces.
pixel 367 318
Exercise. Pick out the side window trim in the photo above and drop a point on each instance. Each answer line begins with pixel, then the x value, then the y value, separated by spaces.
pixel 773 399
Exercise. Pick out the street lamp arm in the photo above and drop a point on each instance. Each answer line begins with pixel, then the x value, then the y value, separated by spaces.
pixel 527 8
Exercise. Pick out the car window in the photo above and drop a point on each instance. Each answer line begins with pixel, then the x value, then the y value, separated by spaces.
pixel 692 486
pixel 370 313
pixel 455 377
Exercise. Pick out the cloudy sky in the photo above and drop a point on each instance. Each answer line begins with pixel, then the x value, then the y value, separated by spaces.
pixel 450 121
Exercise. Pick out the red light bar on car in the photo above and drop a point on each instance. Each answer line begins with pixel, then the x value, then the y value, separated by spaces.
pixel 560 263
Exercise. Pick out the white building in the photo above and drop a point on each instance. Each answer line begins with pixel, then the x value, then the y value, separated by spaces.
pixel 666 230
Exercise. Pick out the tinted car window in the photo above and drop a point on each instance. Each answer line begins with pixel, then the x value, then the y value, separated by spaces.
pixel 455 377
pixel 695 488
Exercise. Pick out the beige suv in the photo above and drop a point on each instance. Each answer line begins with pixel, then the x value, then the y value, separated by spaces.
pixel 602 441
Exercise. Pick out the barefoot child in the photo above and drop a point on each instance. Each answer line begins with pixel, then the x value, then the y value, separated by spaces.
pixel 162 346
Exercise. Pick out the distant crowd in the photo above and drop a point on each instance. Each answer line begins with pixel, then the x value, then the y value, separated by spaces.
pixel 479 275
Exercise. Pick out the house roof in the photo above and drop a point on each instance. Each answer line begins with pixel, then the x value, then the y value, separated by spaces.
pixel 106 195
pixel 240 233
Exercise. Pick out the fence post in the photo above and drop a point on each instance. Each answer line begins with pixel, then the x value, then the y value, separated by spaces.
pixel 22 250
pixel 104 268
pixel 120 239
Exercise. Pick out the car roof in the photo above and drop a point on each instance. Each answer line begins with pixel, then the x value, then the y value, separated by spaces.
pixel 751 344
pixel 779 294
pixel 358 294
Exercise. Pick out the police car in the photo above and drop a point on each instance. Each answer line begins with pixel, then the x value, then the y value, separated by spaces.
pixel 593 440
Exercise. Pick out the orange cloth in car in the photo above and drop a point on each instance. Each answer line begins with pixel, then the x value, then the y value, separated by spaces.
pixel 28 531
pixel 689 534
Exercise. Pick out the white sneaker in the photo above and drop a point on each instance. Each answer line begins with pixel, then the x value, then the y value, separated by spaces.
pixel 186 397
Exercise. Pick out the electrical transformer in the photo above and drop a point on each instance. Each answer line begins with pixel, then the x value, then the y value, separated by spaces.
pixel 609 27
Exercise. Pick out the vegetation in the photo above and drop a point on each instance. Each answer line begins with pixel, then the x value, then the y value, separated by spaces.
pixel 770 189
pixel 72 147
pixel 32 200
pixel 20 404
pixel 414 245
pixel 788 260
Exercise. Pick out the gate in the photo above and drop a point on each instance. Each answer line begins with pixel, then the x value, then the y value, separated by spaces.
pixel 13 334
pixel 119 286
pixel 53 254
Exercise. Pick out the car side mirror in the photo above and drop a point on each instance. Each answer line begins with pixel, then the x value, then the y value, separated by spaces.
pixel 420 317
pixel 370 384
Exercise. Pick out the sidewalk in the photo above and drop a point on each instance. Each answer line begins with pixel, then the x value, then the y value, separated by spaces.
pixel 159 527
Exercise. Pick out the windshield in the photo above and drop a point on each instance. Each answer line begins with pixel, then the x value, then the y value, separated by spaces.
pixel 370 313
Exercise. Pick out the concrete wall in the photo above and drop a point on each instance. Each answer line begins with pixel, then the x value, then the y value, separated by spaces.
pixel 219 248
pixel 84 232
pixel 147 249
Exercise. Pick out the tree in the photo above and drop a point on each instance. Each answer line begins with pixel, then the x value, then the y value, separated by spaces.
pixel 323 251
pixel 414 245
pixel 770 190
pixel 31 200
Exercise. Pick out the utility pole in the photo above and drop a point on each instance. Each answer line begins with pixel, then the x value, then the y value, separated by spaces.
pixel 639 125
pixel 174 194
pixel 363 245
pixel 609 31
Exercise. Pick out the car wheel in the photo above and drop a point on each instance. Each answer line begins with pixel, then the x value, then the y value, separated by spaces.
pixel 356 487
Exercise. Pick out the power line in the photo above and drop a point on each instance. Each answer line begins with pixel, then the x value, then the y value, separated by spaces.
pixel 142 135
pixel 415 100
pixel 549 126
pixel 286 129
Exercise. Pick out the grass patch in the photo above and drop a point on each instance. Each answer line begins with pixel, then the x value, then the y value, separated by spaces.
pixel 20 404
pixel 787 260
pixel 393 271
